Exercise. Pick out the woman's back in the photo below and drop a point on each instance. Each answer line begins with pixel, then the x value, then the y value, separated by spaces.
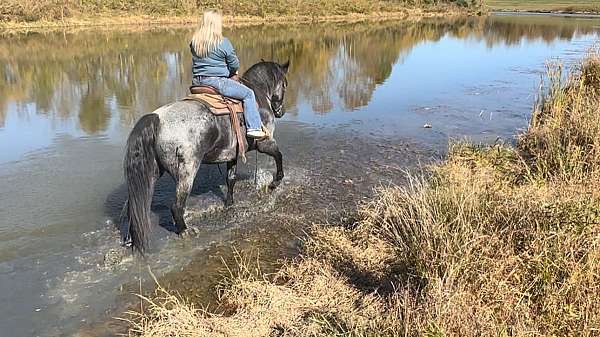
pixel 220 61
pixel 214 61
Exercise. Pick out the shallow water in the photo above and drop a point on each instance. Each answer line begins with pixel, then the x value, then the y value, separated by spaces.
pixel 358 99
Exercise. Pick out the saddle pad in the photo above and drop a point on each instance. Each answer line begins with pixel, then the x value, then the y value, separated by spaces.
pixel 219 105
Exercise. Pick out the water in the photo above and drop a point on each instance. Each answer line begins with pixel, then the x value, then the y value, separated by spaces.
pixel 359 96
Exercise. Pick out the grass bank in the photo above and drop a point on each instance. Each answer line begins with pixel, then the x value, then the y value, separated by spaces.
pixel 547 6
pixel 495 241
pixel 60 13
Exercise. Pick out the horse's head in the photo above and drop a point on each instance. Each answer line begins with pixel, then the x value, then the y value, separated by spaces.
pixel 279 90
pixel 268 80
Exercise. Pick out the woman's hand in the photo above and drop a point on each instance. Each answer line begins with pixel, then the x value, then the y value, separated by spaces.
pixel 235 77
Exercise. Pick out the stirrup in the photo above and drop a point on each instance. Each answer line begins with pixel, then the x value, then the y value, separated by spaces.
pixel 256 134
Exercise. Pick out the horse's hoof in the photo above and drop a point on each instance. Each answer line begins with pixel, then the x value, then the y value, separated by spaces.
pixel 127 242
pixel 190 232
pixel 274 184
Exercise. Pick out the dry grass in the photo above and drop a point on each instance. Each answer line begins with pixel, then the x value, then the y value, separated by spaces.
pixel 143 22
pixel 61 10
pixel 496 241
pixel 560 6
pixel 563 139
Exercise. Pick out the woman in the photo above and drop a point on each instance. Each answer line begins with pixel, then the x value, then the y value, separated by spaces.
pixel 214 61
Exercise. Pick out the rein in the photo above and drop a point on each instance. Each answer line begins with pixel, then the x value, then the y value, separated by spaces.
pixel 280 101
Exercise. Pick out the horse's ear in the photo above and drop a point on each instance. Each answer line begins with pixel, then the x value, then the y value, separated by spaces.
pixel 285 66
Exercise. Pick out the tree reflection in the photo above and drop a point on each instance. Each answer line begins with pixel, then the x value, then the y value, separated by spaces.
pixel 93 113
pixel 95 76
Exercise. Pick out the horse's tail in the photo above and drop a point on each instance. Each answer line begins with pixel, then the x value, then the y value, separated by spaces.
pixel 141 171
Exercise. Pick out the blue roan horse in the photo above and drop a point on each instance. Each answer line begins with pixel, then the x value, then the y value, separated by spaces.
pixel 178 137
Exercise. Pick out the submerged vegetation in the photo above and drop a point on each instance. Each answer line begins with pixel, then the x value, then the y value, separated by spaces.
pixel 495 241
pixel 52 10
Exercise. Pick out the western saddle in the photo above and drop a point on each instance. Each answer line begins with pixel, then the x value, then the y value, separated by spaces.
pixel 221 105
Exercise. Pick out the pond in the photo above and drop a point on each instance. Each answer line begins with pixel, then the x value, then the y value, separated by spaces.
pixel 358 99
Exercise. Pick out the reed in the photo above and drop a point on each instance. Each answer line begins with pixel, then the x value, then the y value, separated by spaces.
pixel 563 139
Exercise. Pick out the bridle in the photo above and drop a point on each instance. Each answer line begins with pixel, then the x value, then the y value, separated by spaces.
pixel 278 101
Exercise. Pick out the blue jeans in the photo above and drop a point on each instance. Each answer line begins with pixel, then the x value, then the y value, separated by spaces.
pixel 237 90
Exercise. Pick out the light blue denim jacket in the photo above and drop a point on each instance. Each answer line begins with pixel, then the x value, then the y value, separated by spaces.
pixel 220 62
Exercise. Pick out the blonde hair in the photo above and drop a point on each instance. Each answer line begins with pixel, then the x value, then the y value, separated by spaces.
pixel 209 34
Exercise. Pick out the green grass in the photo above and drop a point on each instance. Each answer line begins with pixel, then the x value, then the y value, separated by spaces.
pixel 546 5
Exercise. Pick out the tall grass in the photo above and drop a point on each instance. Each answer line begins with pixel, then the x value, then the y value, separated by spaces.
pixel 496 241
pixel 564 135
pixel 34 10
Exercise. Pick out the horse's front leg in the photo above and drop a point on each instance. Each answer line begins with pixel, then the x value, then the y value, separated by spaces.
pixel 230 179
pixel 270 147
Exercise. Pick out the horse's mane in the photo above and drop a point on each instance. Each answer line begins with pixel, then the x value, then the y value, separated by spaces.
pixel 263 75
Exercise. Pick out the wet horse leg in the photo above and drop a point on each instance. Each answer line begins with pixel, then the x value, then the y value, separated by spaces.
pixel 270 148
pixel 231 178
pixel 185 181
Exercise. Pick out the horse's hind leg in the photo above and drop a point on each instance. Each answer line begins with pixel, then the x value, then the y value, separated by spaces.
pixel 231 178
pixel 185 181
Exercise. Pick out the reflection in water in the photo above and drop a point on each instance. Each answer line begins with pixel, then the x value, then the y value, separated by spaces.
pixel 512 30
pixel 96 76
pixel 68 101
pixel 93 114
